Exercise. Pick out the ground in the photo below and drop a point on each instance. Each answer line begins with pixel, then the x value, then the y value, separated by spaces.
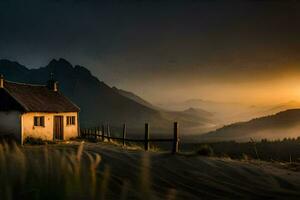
pixel 184 176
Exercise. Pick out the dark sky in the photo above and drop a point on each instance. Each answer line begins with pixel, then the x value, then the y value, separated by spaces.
pixel 164 50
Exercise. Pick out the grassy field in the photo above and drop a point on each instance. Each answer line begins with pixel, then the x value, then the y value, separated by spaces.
pixel 108 171
pixel 286 150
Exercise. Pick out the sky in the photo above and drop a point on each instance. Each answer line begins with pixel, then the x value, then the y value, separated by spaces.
pixel 165 50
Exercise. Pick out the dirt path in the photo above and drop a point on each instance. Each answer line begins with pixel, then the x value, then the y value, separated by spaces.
pixel 166 176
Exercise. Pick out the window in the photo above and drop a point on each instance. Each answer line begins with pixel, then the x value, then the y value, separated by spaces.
pixel 71 120
pixel 39 121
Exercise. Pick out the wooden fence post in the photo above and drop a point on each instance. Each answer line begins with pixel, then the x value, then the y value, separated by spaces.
pixel 146 137
pixel 175 139
pixel 108 132
pixel 103 132
pixel 95 133
pixel 124 134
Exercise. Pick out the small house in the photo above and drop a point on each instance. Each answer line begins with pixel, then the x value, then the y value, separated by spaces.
pixel 39 111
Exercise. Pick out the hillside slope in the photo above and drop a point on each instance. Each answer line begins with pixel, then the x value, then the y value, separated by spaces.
pixel 192 177
pixel 134 97
pixel 280 125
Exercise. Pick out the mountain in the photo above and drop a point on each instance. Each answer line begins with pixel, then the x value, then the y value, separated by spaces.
pixel 281 107
pixel 228 113
pixel 134 97
pixel 194 120
pixel 224 112
pixel 211 106
pixel 197 112
pixel 99 102
pixel 277 126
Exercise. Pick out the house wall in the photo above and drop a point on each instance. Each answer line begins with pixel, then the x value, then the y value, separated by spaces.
pixel 46 132
pixel 10 124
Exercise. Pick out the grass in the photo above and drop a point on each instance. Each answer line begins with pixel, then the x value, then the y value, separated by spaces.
pixel 47 174
pixel 72 171
pixel 56 172
pixel 286 150
pixel 205 150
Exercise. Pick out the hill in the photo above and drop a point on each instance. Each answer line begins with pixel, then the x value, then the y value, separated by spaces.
pixel 134 97
pixel 277 126
pixel 108 171
pixel 99 102
pixel 194 120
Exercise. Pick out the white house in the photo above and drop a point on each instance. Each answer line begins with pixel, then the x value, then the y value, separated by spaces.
pixel 39 111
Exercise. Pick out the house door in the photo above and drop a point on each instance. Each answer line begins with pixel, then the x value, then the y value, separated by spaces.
pixel 58 127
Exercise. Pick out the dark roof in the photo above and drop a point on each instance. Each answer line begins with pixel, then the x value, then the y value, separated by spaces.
pixel 38 98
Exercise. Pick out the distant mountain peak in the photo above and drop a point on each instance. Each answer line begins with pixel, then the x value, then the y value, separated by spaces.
pixel 61 62
pixel 194 111
pixel 191 109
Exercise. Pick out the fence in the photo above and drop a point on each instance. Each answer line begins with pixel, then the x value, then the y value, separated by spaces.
pixel 104 133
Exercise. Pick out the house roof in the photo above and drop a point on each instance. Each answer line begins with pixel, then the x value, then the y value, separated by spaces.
pixel 38 98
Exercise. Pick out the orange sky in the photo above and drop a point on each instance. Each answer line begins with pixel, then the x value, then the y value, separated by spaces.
pixel 273 90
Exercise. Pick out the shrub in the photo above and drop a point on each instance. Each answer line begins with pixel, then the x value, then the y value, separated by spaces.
pixel 78 138
pixel 205 150
pixel 246 157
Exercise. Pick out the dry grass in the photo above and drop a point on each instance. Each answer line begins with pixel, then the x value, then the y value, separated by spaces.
pixel 77 171
pixel 109 171
pixel 50 174
pixel 55 172
pixel 286 150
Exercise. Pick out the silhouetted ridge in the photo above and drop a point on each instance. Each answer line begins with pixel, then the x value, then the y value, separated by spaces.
pixel 99 102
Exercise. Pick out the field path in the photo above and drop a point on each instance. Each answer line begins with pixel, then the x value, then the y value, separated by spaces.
pixel 166 176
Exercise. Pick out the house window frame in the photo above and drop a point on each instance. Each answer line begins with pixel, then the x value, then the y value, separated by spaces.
pixel 71 120
pixel 39 121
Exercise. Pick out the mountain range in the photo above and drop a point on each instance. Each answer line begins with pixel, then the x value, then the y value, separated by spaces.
pixel 280 125
pixel 101 103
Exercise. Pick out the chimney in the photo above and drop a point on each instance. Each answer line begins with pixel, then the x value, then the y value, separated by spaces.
pixel 1 81
pixel 52 84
